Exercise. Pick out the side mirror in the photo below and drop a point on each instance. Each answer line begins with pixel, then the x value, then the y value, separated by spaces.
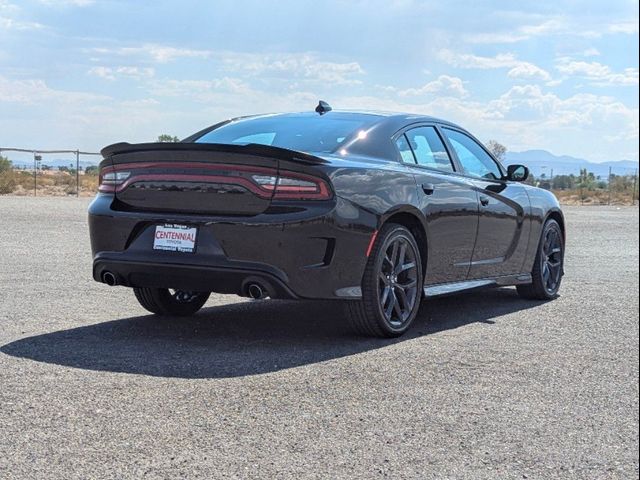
pixel 517 173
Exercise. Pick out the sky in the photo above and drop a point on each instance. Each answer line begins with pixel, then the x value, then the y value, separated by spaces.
pixel 557 75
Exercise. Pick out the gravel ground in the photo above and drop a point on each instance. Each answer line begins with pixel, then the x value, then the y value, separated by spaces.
pixel 485 386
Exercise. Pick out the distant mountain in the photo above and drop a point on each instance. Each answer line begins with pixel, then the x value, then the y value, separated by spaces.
pixel 542 162
pixel 55 163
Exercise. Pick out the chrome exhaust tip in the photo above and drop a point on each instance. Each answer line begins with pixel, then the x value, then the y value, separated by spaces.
pixel 255 291
pixel 110 279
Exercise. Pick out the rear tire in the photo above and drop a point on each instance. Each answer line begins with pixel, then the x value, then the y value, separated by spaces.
pixel 163 301
pixel 548 267
pixel 391 285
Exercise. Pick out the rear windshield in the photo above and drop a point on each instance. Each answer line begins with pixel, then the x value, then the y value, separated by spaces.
pixel 306 133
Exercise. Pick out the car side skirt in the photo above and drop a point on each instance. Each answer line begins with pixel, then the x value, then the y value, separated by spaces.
pixel 452 287
pixel 455 287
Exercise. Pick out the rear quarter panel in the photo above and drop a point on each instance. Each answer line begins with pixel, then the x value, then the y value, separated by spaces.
pixel 378 187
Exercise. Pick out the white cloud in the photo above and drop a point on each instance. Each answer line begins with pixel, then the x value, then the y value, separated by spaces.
pixel 591 52
pixel 528 70
pixel 524 102
pixel 109 73
pixel 36 91
pixel 13 24
pixel 67 3
pixel 157 53
pixel 203 90
pixel 468 60
pixel 518 68
pixel 547 27
pixel 6 6
pixel 302 66
pixel 520 33
pixel 444 85
pixel 136 72
pixel 597 73
pixel 592 69
pixel 495 37
pixel 582 114
pixel 8 20
pixel 102 72
pixel 559 25
pixel 331 72
pixel 629 27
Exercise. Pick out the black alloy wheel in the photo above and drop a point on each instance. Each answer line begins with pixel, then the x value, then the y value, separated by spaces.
pixel 391 286
pixel 398 281
pixel 548 268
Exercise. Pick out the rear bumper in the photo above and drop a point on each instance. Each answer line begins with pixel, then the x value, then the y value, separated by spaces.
pixel 314 253
pixel 189 277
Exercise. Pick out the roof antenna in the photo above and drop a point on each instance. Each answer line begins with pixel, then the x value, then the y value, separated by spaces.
pixel 323 107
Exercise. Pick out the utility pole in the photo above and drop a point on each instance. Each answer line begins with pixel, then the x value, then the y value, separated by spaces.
pixel 77 173
pixel 36 159
pixel 635 185
pixel 609 202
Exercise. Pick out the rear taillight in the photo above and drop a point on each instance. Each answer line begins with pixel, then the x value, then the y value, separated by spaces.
pixel 109 180
pixel 294 186
pixel 262 181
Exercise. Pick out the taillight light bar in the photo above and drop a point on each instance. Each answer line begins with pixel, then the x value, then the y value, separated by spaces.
pixel 262 181
pixel 110 180
pixel 291 185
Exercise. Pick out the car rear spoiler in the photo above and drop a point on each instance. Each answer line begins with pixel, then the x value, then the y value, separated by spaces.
pixel 249 149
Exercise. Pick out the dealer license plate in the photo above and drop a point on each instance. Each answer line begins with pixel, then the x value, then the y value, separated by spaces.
pixel 175 238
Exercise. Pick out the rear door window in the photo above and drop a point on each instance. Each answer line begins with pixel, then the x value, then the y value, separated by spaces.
pixel 428 149
pixel 405 150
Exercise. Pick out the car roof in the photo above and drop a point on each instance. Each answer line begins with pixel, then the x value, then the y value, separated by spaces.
pixel 391 121
pixel 386 124
pixel 398 118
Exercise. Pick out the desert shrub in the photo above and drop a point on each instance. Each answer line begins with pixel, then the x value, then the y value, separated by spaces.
pixel 8 182
pixel 45 181
pixel 5 164
pixel 24 179
pixel 89 183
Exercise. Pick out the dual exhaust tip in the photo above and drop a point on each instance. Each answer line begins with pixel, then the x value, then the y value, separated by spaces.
pixel 252 289
pixel 256 288
pixel 109 278
pixel 256 291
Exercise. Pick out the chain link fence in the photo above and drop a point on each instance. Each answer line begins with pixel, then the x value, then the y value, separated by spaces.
pixel 48 172
pixel 619 186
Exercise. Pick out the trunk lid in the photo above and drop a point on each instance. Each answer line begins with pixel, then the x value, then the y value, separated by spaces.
pixel 196 178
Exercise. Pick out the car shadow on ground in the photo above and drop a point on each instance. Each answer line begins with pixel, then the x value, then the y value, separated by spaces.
pixel 244 338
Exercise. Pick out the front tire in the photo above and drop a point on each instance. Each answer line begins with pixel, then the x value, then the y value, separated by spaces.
pixel 391 285
pixel 163 301
pixel 548 267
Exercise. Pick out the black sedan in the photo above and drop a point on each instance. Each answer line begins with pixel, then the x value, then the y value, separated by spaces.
pixel 377 210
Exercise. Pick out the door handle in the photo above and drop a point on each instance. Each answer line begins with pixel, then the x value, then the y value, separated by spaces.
pixel 484 201
pixel 428 188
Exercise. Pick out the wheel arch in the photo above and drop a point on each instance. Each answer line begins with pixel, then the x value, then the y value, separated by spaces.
pixel 415 224
pixel 557 215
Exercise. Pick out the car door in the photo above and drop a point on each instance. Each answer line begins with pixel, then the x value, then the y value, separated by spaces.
pixel 502 234
pixel 448 202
